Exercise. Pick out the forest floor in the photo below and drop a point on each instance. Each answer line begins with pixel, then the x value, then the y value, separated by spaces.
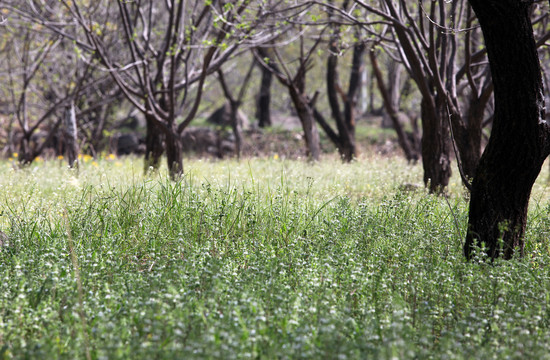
pixel 285 139
pixel 265 258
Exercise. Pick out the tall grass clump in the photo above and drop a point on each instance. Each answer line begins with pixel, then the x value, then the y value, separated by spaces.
pixel 258 259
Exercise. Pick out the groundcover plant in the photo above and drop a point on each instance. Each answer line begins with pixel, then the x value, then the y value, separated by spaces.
pixel 262 258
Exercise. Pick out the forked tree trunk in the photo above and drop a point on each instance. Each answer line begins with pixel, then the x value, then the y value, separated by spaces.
pixel 519 140
pixel 345 120
pixel 468 129
pixel 411 153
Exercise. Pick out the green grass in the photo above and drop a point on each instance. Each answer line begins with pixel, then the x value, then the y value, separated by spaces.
pixel 258 259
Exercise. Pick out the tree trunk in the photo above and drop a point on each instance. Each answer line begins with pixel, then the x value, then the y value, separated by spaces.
pixel 71 139
pixel 345 120
pixel 236 126
pixel 350 106
pixel 519 140
pixel 435 145
pixel 305 113
pixel 174 154
pixel 97 134
pixel 467 136
pixel 468 131
pixel 411 153
pixel 262 110
pixel 153 145
pixel 26 155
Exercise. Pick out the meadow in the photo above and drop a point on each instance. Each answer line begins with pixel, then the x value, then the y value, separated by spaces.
pixel 262 258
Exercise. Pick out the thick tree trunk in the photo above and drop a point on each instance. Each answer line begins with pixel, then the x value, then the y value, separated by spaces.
pixel 467 135
pixel 26 155
pixel 435 146
pixel 519 140
pixel 264 99
pixel 174 154
pixel 153 145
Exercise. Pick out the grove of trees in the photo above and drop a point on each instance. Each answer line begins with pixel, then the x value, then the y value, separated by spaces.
pixel 447 75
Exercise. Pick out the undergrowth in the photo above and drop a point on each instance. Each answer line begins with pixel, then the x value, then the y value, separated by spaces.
pixel 259 259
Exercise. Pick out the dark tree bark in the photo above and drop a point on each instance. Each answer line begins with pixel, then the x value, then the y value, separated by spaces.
pixel 345 121
pixel 153 145
pixel 232 107
pixel 296 85
pixel 306 114
pixel 519 142
pixel 174 154
pixel 435 145
pixel 468 133
pixel 412 154
pixel 264 99
pixel 344 136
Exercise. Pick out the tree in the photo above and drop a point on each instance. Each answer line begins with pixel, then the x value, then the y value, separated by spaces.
pixel 168 51
pixel 263 113
pixel 390 98
pixel 233 104
pixel 45 77
pixel 295 81
pixel 344 136
pixel 424 38
pixel 292 72
pixel 520 138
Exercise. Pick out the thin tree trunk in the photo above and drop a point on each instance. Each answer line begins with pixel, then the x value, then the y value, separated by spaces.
pixel 236 126
pixel 345 120
pixel 518 144
pixel 97 134
pixel 305 113
pixel 350 106
pixel 411 154
pixel 71 138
